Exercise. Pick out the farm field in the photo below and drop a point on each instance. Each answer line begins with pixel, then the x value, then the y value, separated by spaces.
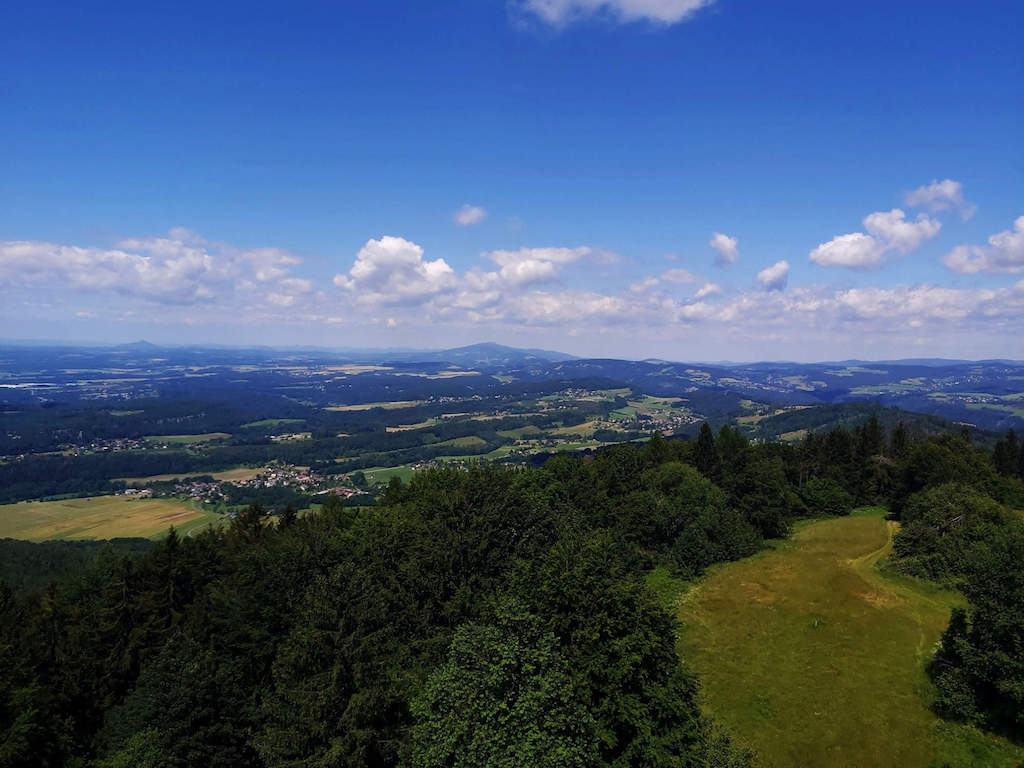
pixel 386 405
pixel 228 475
pixel 383 475
pixel 187 439
pixel 100 517
pixel 272 423
pixel 811 656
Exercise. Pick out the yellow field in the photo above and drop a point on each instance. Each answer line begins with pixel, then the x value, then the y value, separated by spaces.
pixel 99 517
pixel 229 475
pixel 388 406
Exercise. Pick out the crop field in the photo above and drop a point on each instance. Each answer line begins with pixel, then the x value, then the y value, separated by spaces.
pixel 228 475
pixel 187 439
pixel 100 517
pixel 272 423
pixel 812 656
pixel 383 475
pixel 386 405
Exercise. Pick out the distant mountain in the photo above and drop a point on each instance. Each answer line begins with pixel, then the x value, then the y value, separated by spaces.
pixel 490 354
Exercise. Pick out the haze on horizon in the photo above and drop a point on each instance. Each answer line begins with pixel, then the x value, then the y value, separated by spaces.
pixel 680 179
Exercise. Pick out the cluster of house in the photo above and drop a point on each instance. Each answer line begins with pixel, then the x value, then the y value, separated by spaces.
pixel 104 445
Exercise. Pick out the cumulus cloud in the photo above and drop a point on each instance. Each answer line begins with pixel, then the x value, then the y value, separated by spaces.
pixel 893 229
pixel 553 255
pixel 468 215
pixel 558 13
pixel 677 276
pixel 392 270
pixel 889 230
pixel 181 268
pixel 708 289
pixel 941 196
pixel 727 247
pixel 774 278
pixel 1003 254
pixel 855 250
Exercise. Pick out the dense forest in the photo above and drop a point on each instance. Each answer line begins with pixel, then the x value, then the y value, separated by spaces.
pixel 495 616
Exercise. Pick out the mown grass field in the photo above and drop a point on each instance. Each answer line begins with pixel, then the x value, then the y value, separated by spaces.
pixel 812 656
pixel 100 517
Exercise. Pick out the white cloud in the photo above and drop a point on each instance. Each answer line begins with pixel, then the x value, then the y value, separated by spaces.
pixel 854 250
pixel 558 13
pixel 774 278
pixel 528 271
pixel 468 215
pixel 727 247
pixel 548 308
pixel 553 255
pixel 895 231
pixel 645 285
pixel 708 289
pixel 941 196
pixel 678 276
pixel 889 230
pixel 1003 254
pixel 181 268
pixel 392 270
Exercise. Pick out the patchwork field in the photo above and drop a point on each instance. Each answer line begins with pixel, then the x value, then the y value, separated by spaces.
pixel 100 517
pixel 813 657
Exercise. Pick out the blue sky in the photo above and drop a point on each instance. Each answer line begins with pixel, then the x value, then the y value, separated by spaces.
pixel 542 172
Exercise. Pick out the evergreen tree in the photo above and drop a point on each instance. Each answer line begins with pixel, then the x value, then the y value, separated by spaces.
pixel 705 454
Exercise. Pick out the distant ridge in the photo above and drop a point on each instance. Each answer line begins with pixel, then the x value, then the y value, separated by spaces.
pixel 491 353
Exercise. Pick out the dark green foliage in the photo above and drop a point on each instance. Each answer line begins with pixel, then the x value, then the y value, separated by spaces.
pixel 505 697
pixel 979 670
pixel 28 567
pixel 940 526
pixel 705 453
pixel 824 496
pixel 1007 455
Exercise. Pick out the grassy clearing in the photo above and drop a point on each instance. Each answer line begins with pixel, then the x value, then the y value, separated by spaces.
pixel 188 439
pixel 228 475
pixel 1019 412
pixel 530 430
pixel 383 475
pixel 100 517
pixel 585 429
pixel 272 422
pixel 812 656
pixel 387 406
pixel 409 427
pixel 470 441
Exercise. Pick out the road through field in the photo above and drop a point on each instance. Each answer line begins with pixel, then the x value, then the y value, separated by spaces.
pixel 812 656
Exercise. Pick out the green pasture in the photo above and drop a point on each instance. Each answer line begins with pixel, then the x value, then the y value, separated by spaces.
pixel 812 656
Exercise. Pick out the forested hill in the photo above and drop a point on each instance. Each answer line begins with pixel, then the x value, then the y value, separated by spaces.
pixel 490 616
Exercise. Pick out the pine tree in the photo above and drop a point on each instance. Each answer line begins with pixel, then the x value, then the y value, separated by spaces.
pixel 705 455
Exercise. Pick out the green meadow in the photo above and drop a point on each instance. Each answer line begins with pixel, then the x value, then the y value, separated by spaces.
pixel 812 655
